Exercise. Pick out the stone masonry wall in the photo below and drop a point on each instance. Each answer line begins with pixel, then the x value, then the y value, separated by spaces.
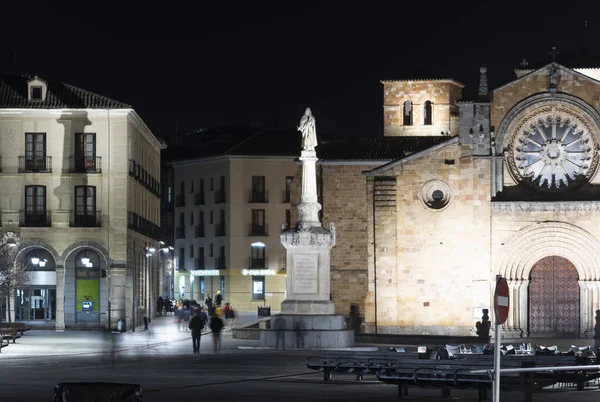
pixel 443 267
pixel 443 94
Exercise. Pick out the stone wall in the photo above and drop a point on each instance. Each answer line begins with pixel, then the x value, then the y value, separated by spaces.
pixel 441 268
pixel 442 93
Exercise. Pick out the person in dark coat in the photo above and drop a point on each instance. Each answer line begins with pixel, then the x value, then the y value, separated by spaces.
pixel 216 325
pixel 218 298
pixel 196 324
pixel 159 305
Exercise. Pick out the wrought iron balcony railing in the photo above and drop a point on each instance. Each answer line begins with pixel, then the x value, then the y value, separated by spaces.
pixel 180 200
pixel 199 199
pixel 199 231
pixel 86 219
pixel 200 263
pixel 84 164
pixel 35 218
pixel 35 164
pixel 220 263
pixel 220 229
pixel 258 197
pixel 258 263
pixel 259 230
pixel 220 196
pixel 180 232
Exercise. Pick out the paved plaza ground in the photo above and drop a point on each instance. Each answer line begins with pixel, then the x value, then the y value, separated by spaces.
pixel 161 360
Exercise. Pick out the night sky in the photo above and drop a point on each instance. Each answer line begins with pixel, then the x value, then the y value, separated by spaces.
pixel 185 68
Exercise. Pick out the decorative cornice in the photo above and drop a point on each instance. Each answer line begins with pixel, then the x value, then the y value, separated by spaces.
pixel 309 236
pixel 542 206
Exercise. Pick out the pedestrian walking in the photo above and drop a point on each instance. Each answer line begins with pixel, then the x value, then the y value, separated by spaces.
pixel 216 325
pixel 196 324
pixel 159 305
pixel 218 298
pixel 229 314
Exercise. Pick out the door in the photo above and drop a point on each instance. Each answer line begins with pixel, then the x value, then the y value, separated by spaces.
pixel 554 298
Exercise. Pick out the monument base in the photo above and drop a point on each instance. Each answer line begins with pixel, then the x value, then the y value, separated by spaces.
pixel 307 307
pixel 307 331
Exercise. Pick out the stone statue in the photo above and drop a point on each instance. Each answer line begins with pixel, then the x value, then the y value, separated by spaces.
pixel 309 132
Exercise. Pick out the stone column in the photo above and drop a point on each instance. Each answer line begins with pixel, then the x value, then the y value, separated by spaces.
pixel 60 298
pixel 523 302
pixel 118 297
pixel 309 207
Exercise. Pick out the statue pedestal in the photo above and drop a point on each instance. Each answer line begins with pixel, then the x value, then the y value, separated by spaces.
pixel 308 316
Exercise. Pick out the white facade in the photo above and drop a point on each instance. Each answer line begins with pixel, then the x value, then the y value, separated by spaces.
pixel 80 183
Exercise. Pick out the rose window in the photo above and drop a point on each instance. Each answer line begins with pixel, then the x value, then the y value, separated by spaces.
pixel 553 151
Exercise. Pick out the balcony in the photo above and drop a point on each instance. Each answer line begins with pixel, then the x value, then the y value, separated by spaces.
pixel 286 196
pixel 220 262
pixel 31 164
pixel 200 263
pixel 258 197
pixel 180 232
pixel 220 196
pixel 259 230
pixel 35 219
pixel 199 231
pixel 220 230
pixel 84 164
pixel 85 220
pixel 199 199
pixel 180 200
pixel 258 263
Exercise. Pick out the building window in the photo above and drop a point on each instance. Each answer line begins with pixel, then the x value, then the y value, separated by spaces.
pixel 181 258
pixel 35 151
pixel 36 93
pixel 288 189
pixel 191 251
pixel 191 219
pixel 200 264
pixel 212 184
pixel 210 250
pixel 35 206
pixel 288 218
pixel 258 227
pixel 182 189
pixel 85 206
pixel 258 260
pixel 223 286
pixel 407 113
pixel 221 260
pixel 192 186
pixel 258 193
pixel 210 217
pixel 85 152
pixel 258 288
pixel 427 114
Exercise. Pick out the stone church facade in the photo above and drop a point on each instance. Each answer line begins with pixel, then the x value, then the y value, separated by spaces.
pixel 457 192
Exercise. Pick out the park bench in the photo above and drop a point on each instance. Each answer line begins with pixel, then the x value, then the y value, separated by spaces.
pixel 10 333
pixel 358 363
pixel 3 342
pixel 457 374
pixel 20 327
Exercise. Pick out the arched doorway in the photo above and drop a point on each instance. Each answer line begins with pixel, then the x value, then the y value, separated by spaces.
pixel 554 298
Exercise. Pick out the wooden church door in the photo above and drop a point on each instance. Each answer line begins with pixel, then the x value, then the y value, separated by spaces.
pixel 554 298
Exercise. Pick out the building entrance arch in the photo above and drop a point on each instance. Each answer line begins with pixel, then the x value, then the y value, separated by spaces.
pixel 554 298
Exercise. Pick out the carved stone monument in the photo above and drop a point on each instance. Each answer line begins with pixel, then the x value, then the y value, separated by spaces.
pixel 308 247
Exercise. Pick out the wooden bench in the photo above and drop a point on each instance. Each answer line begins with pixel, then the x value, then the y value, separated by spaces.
pixel 356 362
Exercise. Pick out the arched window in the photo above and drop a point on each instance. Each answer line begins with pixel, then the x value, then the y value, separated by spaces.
pixel 407 113
pixel 427 115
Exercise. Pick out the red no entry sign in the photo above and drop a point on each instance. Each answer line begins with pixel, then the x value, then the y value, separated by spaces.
pixel 501 300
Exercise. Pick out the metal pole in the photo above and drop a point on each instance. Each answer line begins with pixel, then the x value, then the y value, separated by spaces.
pixel 496 384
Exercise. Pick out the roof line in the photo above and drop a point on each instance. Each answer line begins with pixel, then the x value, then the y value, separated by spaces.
pixel 410 157
pixel 531 71
pixel 452 80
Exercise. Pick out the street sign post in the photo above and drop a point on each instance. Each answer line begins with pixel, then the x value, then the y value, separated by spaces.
pixel 501 306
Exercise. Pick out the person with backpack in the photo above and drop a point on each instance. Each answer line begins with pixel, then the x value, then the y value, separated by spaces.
pixel 229 314
pixel 196 324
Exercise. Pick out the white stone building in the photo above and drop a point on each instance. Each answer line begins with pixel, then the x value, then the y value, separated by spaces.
pixel 79 185
pixel 231 196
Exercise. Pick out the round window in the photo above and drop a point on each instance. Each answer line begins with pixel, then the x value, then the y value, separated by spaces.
pixel 553 149
pixel 436 195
